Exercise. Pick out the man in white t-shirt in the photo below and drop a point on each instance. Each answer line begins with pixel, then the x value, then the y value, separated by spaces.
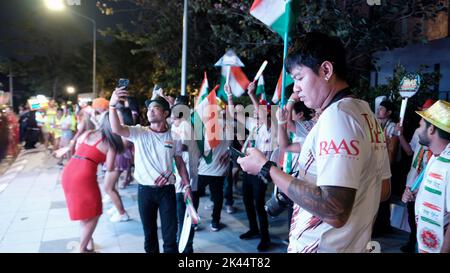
pixel 155 151
pixel 342 160
pixel 432 207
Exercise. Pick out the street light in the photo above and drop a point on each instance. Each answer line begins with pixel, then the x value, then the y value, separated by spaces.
pixel 71 90
pixel 58 5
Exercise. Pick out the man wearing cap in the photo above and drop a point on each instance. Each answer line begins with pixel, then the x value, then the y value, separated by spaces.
pixel 155 151
pixel 433 198
pixel 421 155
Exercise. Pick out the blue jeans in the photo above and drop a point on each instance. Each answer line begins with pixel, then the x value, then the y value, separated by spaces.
pixel 150 199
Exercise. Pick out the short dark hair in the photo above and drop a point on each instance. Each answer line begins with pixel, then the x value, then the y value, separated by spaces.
pixel 314 49
pixel 127 116
pixel 301 107
pixel 388 105
pixel 441 133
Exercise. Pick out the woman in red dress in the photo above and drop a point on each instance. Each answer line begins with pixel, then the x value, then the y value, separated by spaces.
pixel 79 177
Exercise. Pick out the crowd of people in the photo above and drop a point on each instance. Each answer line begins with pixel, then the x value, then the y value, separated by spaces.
pixel 328 154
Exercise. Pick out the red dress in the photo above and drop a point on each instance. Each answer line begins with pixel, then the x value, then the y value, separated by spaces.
pixel 79 182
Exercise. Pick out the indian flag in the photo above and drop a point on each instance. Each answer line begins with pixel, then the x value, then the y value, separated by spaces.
pixel 273 14
pixel 277 94
pixel 238 82
pixel 205 119
pixel 260 89
pixel 204 88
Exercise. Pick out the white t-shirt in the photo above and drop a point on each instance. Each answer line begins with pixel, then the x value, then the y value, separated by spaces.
pixel 184 133
pixel 347 149
pixel 432 206
pixel 154 154
pixel 389 128
pixel 214 168
pixel 262 137
pixel 420 159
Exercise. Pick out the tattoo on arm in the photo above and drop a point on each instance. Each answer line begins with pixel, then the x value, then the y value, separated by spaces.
pixel 331 204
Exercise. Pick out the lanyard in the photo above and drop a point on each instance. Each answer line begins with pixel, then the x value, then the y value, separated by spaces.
pixel 340 95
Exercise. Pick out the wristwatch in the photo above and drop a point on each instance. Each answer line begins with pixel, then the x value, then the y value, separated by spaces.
pixel 264 174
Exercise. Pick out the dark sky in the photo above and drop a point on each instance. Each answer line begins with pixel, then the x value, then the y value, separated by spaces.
pixel 14 12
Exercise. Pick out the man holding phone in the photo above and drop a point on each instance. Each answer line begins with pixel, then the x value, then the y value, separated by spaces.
pixel 155 150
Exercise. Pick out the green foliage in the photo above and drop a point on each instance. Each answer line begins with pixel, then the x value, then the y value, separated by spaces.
pixel 215 26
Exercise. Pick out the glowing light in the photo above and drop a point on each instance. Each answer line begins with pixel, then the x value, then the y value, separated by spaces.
pixel 56 5
pixel 71 90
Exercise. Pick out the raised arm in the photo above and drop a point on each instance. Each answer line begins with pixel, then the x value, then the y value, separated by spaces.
pixel 251 93
pixel 283 138
pixel 289 107
pixel 231 109
pixel 116 126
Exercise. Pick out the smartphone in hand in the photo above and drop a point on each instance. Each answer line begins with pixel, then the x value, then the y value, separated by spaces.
pixel 235 154
pixel 123 84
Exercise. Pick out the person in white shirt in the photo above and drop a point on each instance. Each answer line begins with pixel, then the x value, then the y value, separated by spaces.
pixel 291 136
pixel 387 118
pixel 421 155
pixel 432 207
pixel 343 159
pixel 253 189
pixel 155 151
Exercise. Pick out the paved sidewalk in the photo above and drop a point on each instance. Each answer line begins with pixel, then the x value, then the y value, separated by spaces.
pixel 34 218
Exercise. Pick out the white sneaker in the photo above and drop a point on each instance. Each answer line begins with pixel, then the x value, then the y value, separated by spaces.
pixel 106 199
pixel 116 218
pixel 230 209
pixel 112 211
